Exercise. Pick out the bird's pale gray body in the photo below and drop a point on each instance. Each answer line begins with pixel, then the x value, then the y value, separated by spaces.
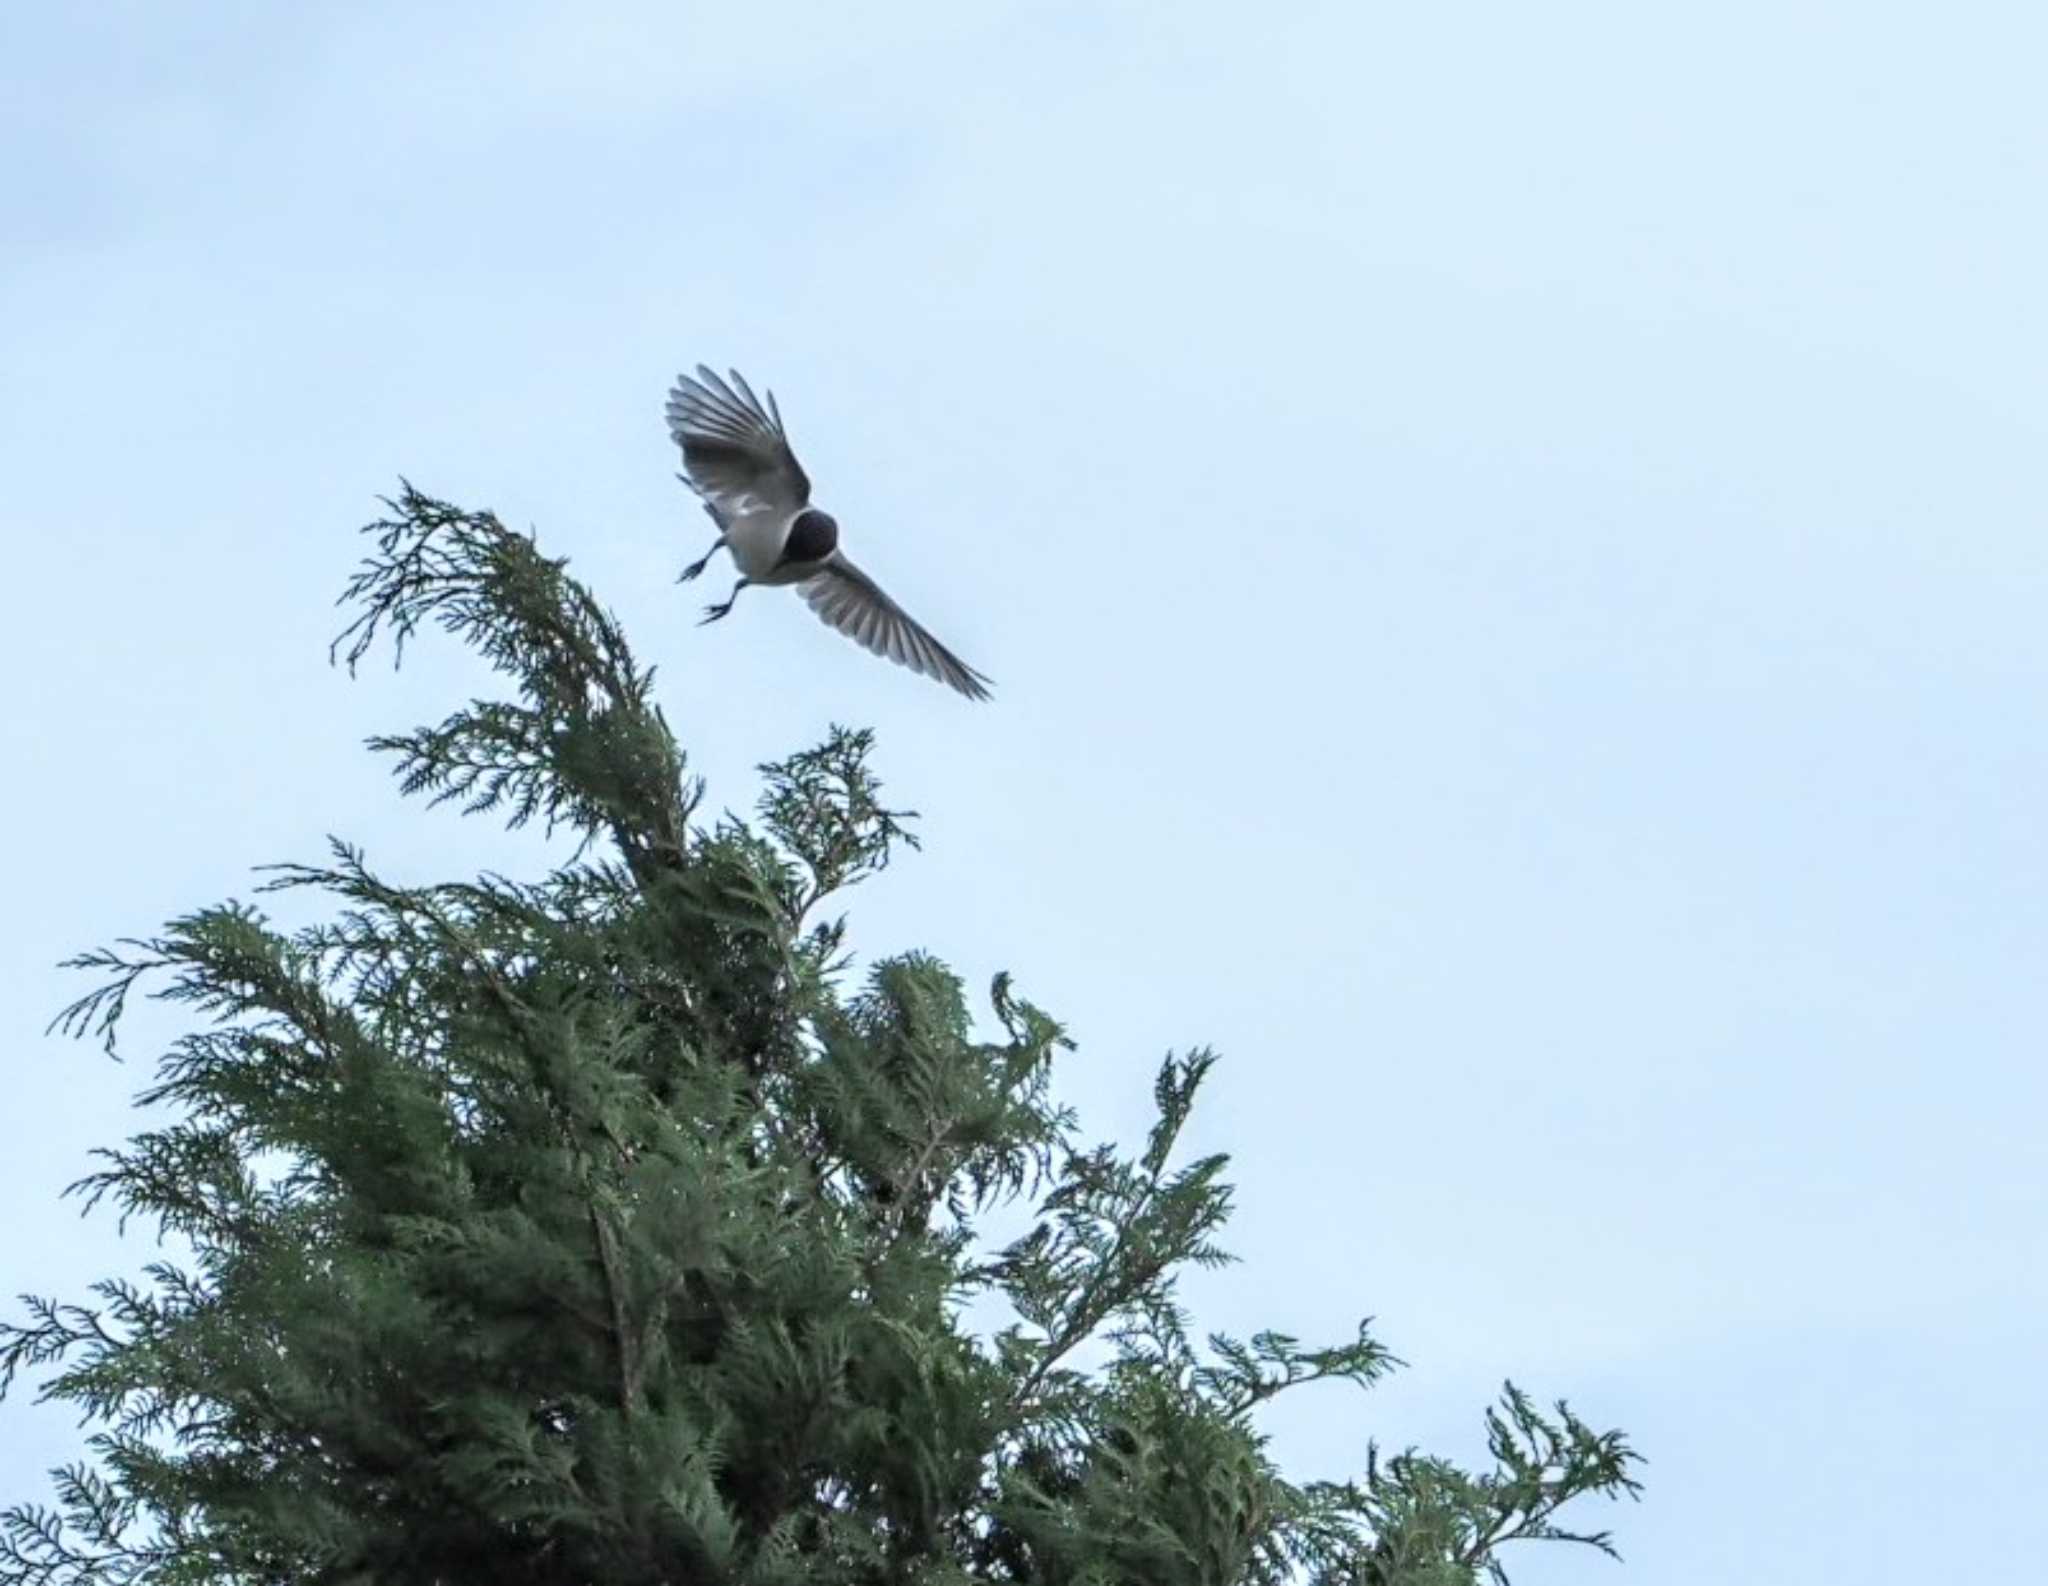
pixel 755 540
pixel 737 458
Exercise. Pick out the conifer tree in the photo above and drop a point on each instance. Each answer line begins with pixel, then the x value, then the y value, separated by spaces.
pixel 605 1230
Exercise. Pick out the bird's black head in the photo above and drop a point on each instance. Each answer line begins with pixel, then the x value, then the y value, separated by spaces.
pixel 813 536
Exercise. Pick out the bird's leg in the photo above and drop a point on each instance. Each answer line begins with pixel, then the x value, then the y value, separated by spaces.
pixel 698 566
pixel 713 613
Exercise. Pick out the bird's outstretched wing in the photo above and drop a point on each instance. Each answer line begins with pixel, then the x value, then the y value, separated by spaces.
pixel 854 603
pixel 735 450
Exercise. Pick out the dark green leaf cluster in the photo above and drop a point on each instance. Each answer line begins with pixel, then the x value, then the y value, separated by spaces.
pixel 595 1229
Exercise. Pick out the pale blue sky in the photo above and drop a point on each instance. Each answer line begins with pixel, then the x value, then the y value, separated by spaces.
pixel 1510 539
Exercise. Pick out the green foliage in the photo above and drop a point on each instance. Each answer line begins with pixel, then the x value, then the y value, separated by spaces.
pixel 595 1229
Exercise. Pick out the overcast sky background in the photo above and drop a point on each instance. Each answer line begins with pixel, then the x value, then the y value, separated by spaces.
pixel 1510 540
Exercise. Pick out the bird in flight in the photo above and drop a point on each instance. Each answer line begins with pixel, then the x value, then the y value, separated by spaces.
pixel 737 459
